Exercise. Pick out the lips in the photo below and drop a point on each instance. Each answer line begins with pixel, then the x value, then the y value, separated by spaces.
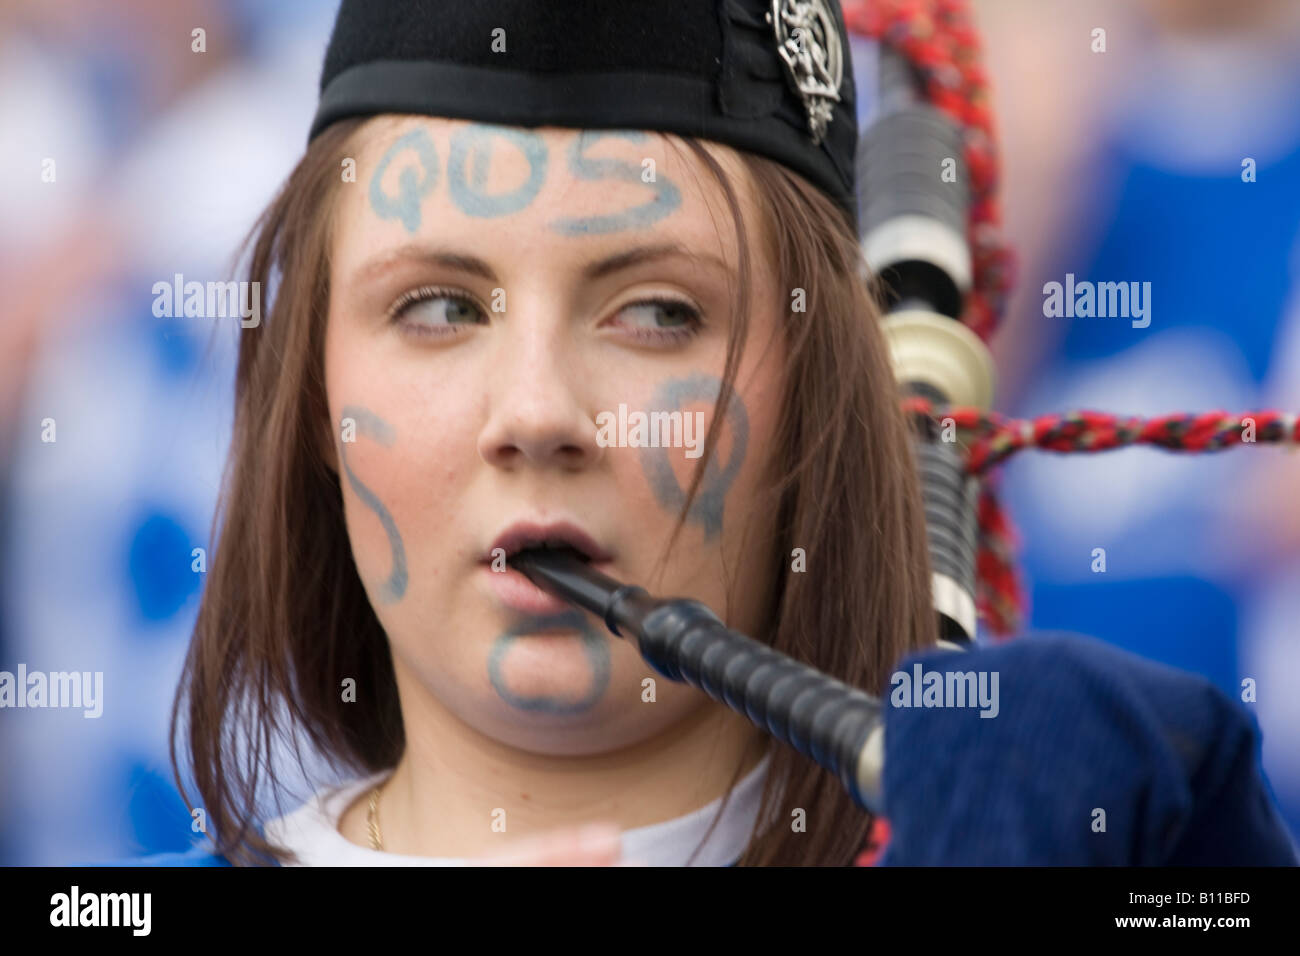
pixel 511 588
pixel 523 535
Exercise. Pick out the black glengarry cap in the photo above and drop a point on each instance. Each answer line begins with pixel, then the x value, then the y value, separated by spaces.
pixel 770 77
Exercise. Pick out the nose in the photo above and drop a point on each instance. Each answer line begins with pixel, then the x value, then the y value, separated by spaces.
pixel 536 413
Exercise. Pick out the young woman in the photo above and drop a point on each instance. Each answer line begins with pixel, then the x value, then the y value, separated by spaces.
pixel 473 281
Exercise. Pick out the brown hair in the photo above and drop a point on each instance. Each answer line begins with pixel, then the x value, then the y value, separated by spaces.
pixel 284 611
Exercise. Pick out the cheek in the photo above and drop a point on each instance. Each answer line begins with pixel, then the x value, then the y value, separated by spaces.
pixel 731 474
pixel 403 444
pixel 367 441
pixel 725 550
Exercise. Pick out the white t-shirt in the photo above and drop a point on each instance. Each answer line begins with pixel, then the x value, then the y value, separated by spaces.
pixel 312 831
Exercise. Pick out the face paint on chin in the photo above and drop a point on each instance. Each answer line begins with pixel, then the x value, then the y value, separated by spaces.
pixel 595 647
pixel 393 588
pixel 706 510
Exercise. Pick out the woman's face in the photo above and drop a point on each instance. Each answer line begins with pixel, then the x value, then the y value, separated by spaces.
pixel 497 295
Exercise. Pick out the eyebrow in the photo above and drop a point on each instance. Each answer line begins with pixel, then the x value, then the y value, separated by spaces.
pixel 423 255
pixel 475 266
pixel 643 254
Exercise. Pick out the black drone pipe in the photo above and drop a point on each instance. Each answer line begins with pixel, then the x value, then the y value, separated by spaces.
pixel 839 727
pixel 913 233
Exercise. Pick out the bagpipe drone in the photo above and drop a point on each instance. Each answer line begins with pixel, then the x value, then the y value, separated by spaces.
pixel 1171 761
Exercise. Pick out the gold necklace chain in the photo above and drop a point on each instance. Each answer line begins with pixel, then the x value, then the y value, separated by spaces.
pixel 372 818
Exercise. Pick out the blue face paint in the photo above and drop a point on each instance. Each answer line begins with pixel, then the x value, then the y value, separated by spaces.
pixel 594 645
pixel 405 206
pixel 469 193
pixel 368 423
pixel 666 200
pixel 706 509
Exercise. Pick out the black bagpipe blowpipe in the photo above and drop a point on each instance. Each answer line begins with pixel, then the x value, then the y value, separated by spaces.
pixel 839 727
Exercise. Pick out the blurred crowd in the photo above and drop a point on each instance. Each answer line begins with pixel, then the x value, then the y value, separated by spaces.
pixel 170 124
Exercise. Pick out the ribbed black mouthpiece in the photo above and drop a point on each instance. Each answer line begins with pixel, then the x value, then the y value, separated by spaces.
pixel 837 726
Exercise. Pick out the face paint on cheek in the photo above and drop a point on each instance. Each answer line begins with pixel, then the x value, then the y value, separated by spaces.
pixel 405 205
pixel 595 649
pixel 368 423
pixel 706 509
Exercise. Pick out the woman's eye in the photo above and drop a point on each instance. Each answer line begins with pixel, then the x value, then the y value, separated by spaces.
pixel 660 320
pixel 435 311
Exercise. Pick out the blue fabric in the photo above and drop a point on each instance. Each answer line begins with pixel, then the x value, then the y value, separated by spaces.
pixel 199 854
pixel 1081 726
pixel 195 856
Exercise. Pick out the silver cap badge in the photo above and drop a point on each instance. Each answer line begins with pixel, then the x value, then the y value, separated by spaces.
pixel 808 41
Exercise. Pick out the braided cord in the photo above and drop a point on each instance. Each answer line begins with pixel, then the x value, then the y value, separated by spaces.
pixel 990 439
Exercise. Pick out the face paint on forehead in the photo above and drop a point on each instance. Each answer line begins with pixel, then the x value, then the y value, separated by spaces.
pixel 471 151
pixel 666 199
pixel 471 159
pixel 404 205
pixel 367 423
pixel 706 510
